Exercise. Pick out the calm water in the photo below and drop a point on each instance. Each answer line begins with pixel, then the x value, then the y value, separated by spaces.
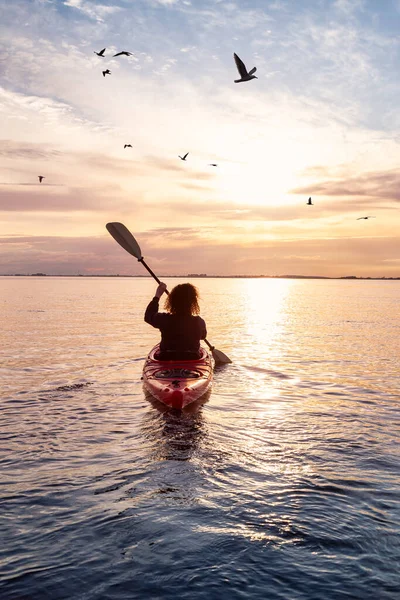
pixel 284 484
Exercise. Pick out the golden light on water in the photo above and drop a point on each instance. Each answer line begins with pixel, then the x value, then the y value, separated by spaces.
pixel 266 300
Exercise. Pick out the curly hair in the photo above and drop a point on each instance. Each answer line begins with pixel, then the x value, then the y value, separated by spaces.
pixel 183 299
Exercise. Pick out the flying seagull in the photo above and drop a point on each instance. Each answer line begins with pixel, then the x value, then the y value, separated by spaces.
pixel 101 53
pixel 40 177
pixel 213 165
pixel 124 52
pixel 370 217
pixel 127 146
pixel 309 202
pixel 183 157
pixel 106 72
pixel 244 74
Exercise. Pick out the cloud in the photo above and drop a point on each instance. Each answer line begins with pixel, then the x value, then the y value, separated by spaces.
pixel 33 184
pixel 327 96
pixel 34 104
pixel 71 199
pixel 286 213
pixel 164 164
pixel 94 11
pixel 12 149
pixel 383 185
pixel 164 2
pixel 57 123
pixel 178 234
pixel 71 255
pixel 348 7
pixel 211 16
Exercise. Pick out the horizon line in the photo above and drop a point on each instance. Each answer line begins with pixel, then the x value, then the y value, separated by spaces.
pixel 204 276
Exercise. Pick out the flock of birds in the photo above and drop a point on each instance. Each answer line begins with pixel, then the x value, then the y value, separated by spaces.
pixel 101 54
pixel 245 75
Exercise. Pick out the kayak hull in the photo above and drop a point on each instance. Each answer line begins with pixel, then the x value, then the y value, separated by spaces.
pixel 177 383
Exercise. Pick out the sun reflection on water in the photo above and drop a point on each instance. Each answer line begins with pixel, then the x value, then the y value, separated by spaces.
pixel 266 302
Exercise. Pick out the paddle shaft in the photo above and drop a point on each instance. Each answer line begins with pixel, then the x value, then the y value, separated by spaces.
pixel 146 266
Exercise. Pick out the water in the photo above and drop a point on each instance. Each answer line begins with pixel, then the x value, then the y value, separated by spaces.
pixel 283 484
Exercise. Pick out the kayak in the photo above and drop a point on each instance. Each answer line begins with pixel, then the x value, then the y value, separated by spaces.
pixel 177 383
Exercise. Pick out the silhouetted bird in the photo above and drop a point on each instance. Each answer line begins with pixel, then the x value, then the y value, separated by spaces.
pixel 213 165
pixel 183 157
pixel 106 72
pixel 124 52
pixel 128 146
pixel 309 202
pixel 244 74
pixel 365 218
pixel 40 177
pixel 101 53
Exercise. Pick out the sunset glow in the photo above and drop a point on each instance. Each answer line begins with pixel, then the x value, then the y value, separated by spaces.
pixel 321 120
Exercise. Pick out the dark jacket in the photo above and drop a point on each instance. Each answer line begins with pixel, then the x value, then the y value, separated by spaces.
pixel 179 333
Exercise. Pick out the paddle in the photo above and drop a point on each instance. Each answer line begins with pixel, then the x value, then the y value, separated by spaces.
pixel 123 236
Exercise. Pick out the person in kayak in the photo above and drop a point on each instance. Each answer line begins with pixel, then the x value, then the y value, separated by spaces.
pixel 181 327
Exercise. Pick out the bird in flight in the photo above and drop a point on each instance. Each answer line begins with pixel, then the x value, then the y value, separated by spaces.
pixel 213 165
pixel 124 52
pixel 309 202
pixel 370 217
pixel 106 72
pixel 184 156
pixel 40 177
pixel 127 146
pixel 244 74
pixel 101 53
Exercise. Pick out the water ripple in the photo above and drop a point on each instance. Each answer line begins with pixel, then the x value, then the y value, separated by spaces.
pixel 283 483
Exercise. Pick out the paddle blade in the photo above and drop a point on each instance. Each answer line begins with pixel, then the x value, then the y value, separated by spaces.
pixel 123 236
pixel 220 358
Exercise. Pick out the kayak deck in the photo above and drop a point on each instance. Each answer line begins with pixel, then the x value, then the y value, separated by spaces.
pixel 177 383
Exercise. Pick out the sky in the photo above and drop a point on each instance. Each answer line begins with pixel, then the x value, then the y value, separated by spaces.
pixel 321 120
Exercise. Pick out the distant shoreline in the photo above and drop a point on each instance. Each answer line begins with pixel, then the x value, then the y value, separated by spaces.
pixel 194 276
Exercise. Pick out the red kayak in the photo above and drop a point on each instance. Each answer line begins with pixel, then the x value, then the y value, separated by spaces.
pixel 177 383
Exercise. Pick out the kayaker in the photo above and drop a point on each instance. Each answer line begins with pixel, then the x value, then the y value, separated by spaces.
pixel 181 327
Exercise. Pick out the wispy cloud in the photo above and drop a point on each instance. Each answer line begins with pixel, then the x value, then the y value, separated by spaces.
pixel 98 12
pixel 381 185
pixel 12 149
pixel 30 184
pixel 66 255
pixel 321 120
pixel 42 200
pixel 349 7
pixel 164 2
